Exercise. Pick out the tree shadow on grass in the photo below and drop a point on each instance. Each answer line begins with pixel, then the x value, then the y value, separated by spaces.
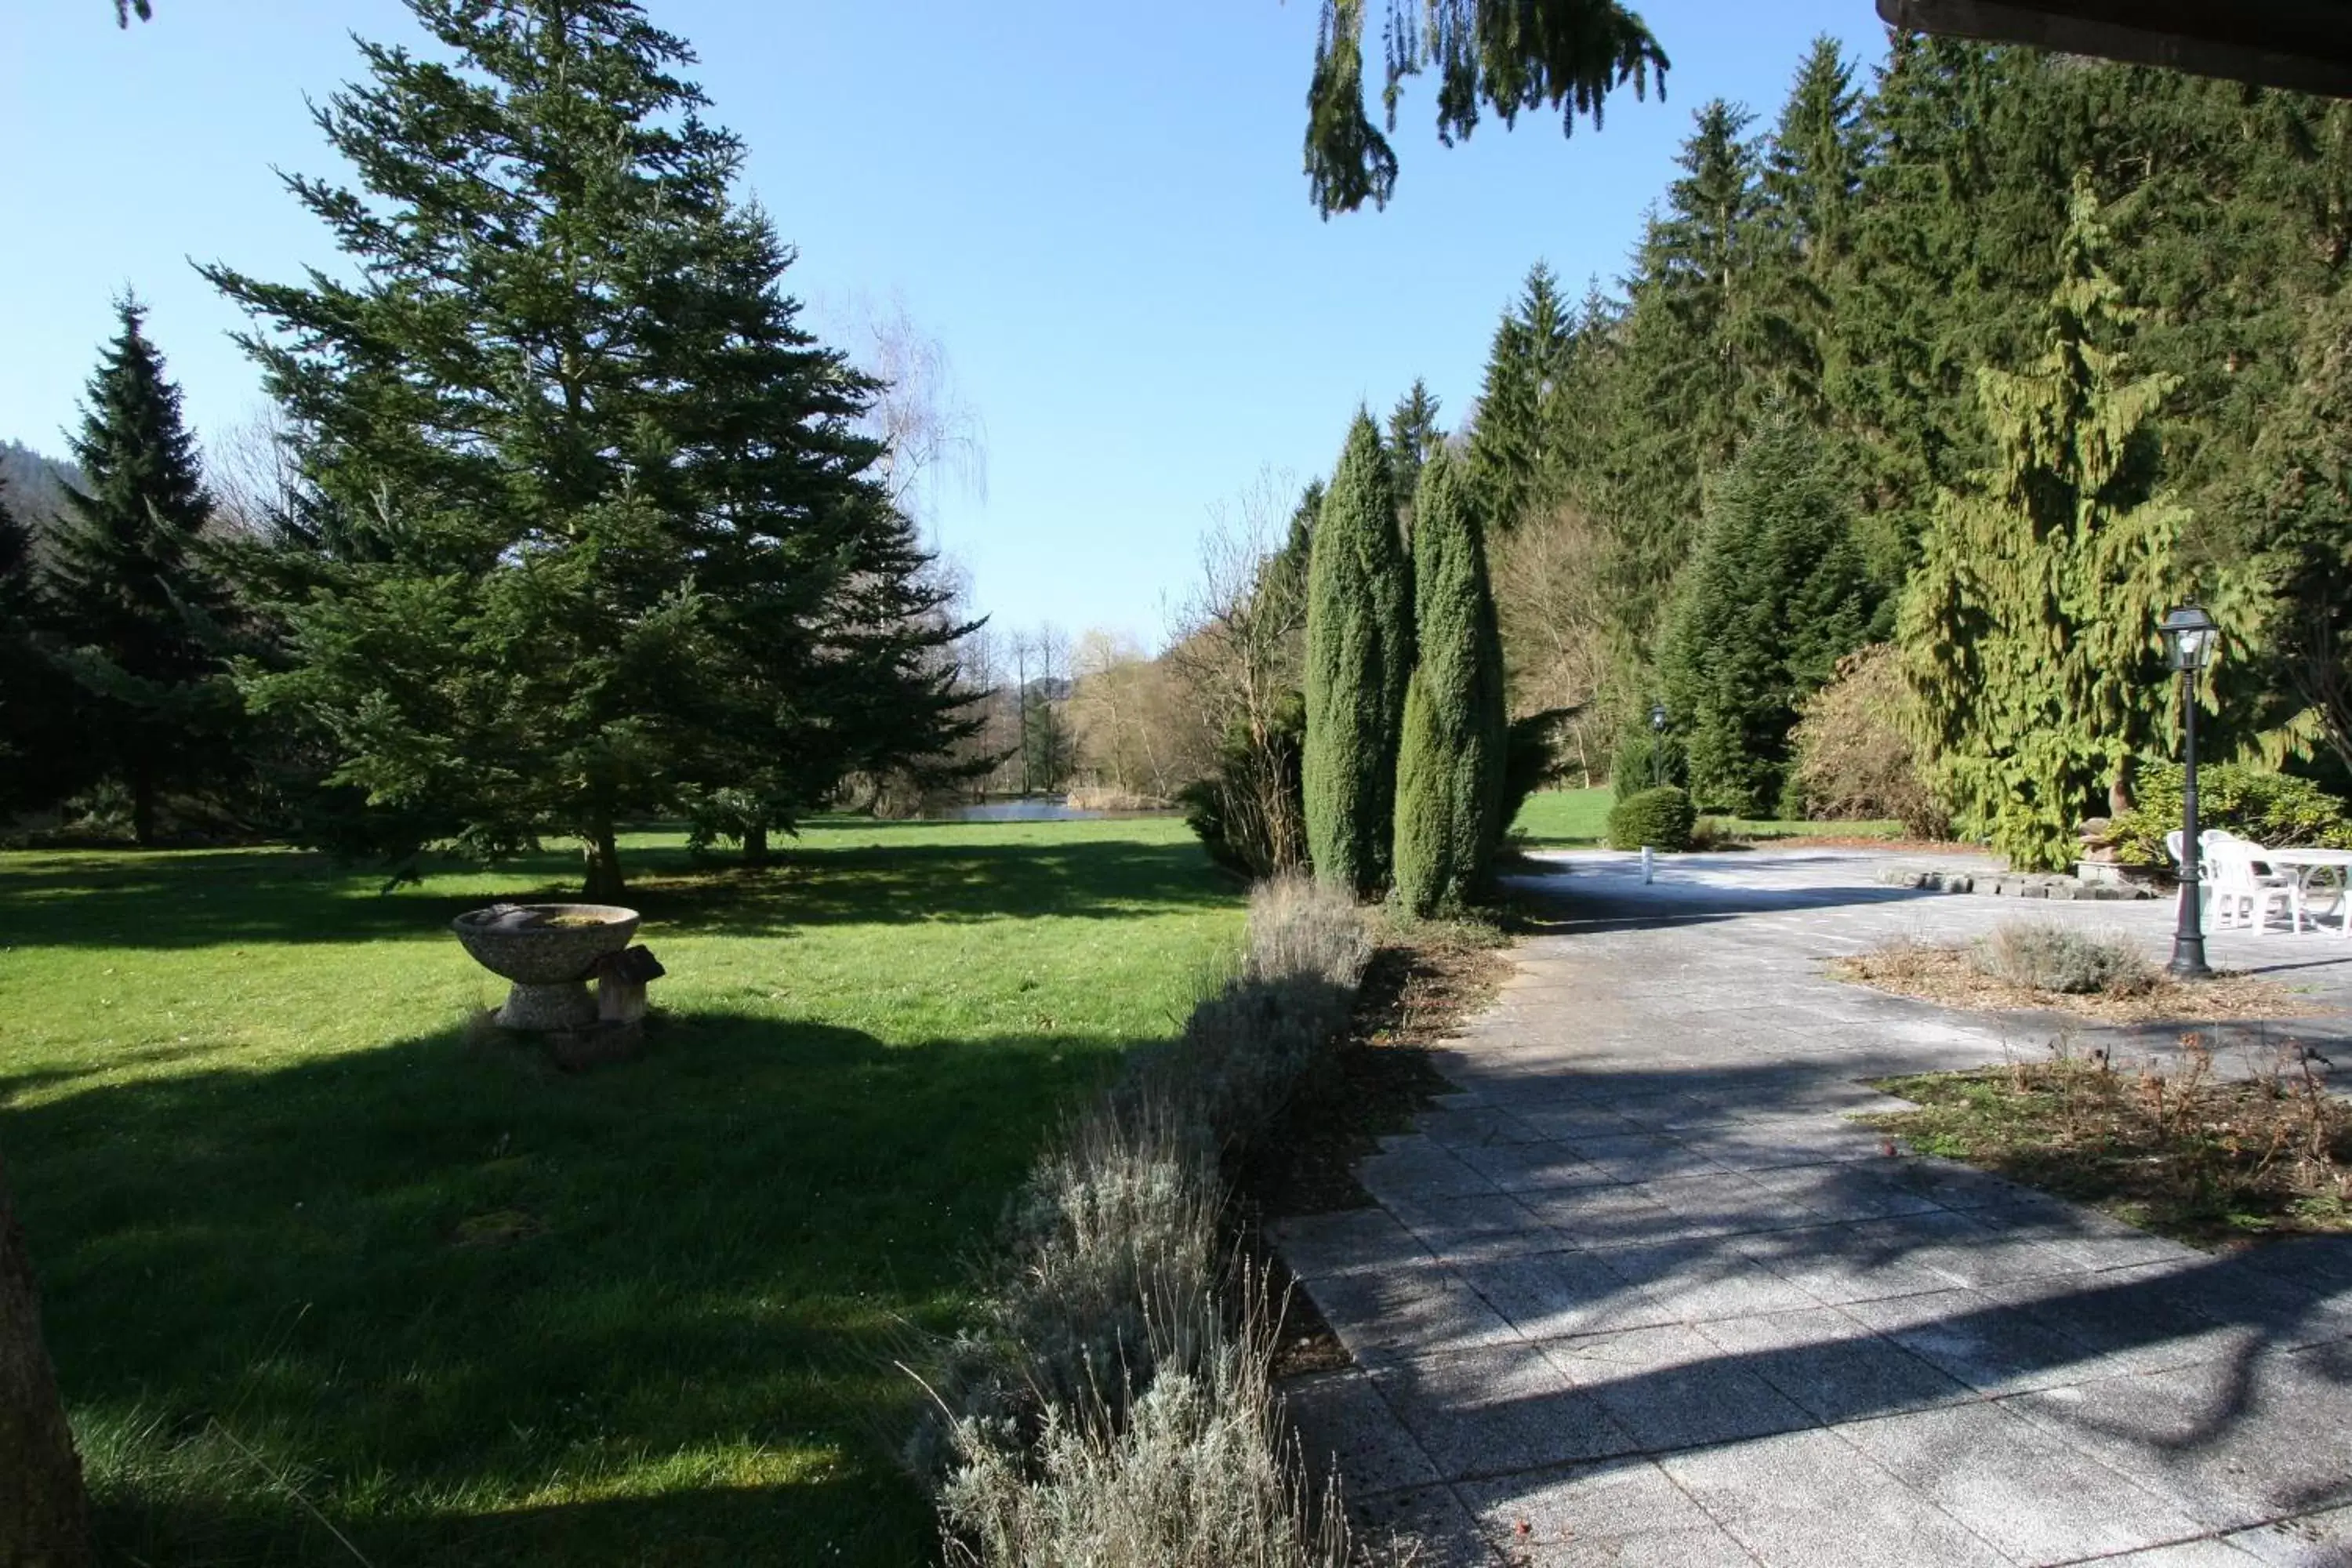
pixel 226 899
pixel 477 1311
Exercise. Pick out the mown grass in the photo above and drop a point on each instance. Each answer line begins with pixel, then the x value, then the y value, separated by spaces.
pixel 307 1242
pixel 1562 819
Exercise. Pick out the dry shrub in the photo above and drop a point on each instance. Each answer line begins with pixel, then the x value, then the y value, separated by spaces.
pixel 2046 955
pixel 1119 1411
pixel 1195 1474
pixel 1109 797
pixel 1853 760
pixel 1298 927
pixel 1902 958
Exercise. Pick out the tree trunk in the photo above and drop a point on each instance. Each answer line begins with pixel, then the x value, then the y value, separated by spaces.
pixel 603 856
pixel 755 845
pixel 44 1515
pixel 2119 789
pixel 142 806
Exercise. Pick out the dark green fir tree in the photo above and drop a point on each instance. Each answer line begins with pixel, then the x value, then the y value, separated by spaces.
pixel 1775 595
pixel 1451 756
pixel 1524 366
pixel 1359 658
pixel 137 613
pixel 40 755
pixel 1414 435
pixel 1710 342
pixel 608 540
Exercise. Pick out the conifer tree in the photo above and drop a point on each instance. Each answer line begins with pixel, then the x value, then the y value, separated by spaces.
pixel 2301 538
pixel 1451 756
pixel 1711 343
pixel 1810 179
pixel 1774 597
pixel 1953 241
pixel 1567 55
pixel 1358 660
pixel 133 602
pixel 1814 164
pixel 606 535
pixel 2027 630
pixel 42 753
pixel 1524 367
pixel 1414 435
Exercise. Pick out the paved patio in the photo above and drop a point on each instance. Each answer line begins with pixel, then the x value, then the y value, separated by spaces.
pixel 1640 1294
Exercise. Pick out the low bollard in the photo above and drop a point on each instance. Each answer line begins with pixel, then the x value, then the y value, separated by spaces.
pixel 1649 865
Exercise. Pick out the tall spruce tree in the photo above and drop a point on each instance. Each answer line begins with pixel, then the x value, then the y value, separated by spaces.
pixel 1953 242
pixel 133 602
pixel 1524 365
pixel 42 752
pixel 1414 435
pixel 1451 755
pixel 1774 597
pixel 1360 657
pixel 2302 541
pixel 2028 631
pixel 1711 342
pixel 609 537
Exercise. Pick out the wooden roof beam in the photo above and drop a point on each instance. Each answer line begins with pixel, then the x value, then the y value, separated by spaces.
pixel 2302 45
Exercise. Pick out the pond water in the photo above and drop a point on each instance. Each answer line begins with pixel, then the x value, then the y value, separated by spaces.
pixel 1037 808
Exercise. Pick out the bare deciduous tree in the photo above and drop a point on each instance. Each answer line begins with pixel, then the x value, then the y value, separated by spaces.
pixel 1550 596
pixel 1126 723
pixel 1238 649
pixel 935 435
pixel 253 473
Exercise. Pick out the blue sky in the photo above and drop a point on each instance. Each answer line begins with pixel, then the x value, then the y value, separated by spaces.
pixel 1096 207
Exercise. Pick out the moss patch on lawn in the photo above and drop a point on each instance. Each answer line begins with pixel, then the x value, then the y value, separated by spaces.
pixel 2183 1154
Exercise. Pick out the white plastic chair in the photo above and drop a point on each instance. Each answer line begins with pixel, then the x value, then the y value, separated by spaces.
pixel 2244 896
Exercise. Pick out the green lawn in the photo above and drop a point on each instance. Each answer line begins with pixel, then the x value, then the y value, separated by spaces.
pixel 1565 818
pixel 309 1241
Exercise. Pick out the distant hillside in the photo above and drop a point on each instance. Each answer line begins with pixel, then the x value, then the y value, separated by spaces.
pixel 35 485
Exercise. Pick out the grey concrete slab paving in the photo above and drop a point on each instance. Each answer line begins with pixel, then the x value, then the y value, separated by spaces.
pixel 1611 1515
pixel 1640 1292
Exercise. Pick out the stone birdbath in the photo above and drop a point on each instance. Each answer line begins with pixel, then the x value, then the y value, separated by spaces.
pixel 548 951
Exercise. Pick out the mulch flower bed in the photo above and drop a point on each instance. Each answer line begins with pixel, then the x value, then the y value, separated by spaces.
pixel 2180 1152
pixel 1944 975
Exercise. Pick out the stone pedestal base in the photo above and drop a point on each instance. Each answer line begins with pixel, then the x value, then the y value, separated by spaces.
pixel 566 1005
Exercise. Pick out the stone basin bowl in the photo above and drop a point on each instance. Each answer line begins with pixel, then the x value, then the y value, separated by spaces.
pixel 545 944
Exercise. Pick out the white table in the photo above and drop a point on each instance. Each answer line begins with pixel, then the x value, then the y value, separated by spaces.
pixel 2309 866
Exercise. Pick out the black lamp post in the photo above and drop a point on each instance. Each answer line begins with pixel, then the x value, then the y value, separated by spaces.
pixel 2188 636
pixel 1658 746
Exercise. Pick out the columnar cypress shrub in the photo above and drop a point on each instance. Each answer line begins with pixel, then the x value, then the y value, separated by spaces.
pixel 1359 658
pixel 1449 764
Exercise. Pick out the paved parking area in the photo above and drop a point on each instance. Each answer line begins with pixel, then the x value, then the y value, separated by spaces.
pixel 1640 1293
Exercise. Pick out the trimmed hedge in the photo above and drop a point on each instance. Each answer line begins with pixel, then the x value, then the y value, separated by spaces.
pixel 1661 818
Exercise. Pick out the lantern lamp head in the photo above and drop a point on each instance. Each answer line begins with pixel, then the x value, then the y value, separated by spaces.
pixel 1658 717
pixel 2189 637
